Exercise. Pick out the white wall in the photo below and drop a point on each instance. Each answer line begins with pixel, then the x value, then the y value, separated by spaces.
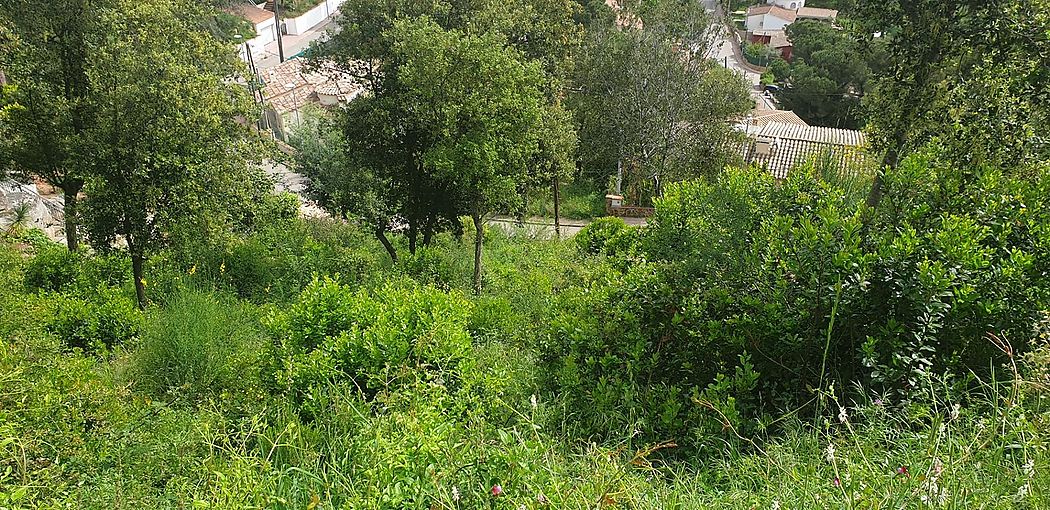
pixel 313 17
pixel 766 22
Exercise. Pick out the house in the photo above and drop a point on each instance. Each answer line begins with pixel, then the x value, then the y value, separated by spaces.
pixel 788 4
pixel 769 17
pixel 775 39
pixel 263 21
pixel 781 146
pixel 818 14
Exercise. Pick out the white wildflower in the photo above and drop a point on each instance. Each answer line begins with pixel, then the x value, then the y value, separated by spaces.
pixel 1029 468
pixel 831 453
pixel 955 411
pixel 1022 491
pixel 534 401
pixel 776 505
pixel 842 415
pixel 455 493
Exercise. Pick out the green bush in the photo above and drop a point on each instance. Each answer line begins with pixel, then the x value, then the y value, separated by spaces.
pixel 595 237
pixel 53 268
pixel 380 339
pixel 198 345
pixel 94 325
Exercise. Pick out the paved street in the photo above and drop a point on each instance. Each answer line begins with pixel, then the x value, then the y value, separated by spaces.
pixel 293 44
pixel 723 52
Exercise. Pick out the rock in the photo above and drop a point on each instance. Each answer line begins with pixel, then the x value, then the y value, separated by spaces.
pixel 45 212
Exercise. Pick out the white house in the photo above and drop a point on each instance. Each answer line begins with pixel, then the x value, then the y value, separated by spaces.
pixel 263 21
pixel 788 4
pixel 769 17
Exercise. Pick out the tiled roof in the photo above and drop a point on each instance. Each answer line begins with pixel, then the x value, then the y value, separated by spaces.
pixel 289 86
pixel 817 13
pixel 780 12
pixel 779 40
pixel 251 13
pixel 780 147
pixel 763 117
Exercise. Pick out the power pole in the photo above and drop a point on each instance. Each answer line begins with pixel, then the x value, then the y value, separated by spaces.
pixel 277 18
pixel 557 214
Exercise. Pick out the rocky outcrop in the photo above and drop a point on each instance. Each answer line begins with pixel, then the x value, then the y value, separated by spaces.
pixel 44 212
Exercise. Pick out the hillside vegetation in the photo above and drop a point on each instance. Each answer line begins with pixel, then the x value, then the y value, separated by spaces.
pixel 781 348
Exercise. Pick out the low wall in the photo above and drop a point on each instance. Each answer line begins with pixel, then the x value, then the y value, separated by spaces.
pixel 313 17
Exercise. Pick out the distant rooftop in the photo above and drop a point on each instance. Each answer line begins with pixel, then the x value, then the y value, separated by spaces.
pixel 251 13
pixel 817 13
pixel 775 10
pixel 781 146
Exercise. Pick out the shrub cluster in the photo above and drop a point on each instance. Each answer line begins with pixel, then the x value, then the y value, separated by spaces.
pixel 748 297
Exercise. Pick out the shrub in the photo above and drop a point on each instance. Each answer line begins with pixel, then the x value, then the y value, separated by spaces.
pixel 53 268
pixel 96 325
pixel 595 237
pixel 379 339
pixel 198 345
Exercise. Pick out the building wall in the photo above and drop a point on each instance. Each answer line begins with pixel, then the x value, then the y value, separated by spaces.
pixel 788 4
pixel 266 32
pixel 766 22
pixel 313 17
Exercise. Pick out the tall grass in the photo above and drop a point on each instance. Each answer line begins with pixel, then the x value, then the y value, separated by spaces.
pixel 199 345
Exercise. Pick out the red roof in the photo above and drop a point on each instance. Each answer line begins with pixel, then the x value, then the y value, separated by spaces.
pixel 775 10
pixel 251 13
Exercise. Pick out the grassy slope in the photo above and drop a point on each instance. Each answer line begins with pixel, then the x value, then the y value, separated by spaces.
pixel 77 431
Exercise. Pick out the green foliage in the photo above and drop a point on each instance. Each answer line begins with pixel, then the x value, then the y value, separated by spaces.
pixel 595 238
pixel 829 73
pixel 53 268
pixel 648 113
pixel 379 340
pixel 199 345
pixel 96 325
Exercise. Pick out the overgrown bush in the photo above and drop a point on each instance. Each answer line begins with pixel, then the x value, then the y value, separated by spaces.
pixel 93 325
pixel 53 268
pixel 595 238
pixel 379 339
pixel 807 286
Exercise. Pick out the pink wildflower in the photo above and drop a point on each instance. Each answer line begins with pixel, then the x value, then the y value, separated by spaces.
pixel 837 482
pixel 497 490
pixel 903 470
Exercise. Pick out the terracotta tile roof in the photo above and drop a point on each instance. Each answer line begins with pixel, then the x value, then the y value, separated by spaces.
pixel 817 13
pixel 290 86
pixel 763 117
pixel 780 147
pixel 774 10
pixel 251 13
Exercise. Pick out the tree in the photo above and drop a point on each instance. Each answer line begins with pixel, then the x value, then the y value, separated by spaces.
pixel 165 147
pixel 481 106
pixel 380 175
pixel 646 104
pixel 969 74
pixel 48 62
pixel 829 74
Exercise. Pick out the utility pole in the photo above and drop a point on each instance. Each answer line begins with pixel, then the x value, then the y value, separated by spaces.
pixel 277 18
pixel 557 213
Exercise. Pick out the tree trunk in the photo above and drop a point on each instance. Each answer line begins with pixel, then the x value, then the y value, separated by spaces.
pixel 381 235
pixel 69 214
pixel 428 231
pixel 137 260
pixel 875 195
pixel 413 233
pixel 479 236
